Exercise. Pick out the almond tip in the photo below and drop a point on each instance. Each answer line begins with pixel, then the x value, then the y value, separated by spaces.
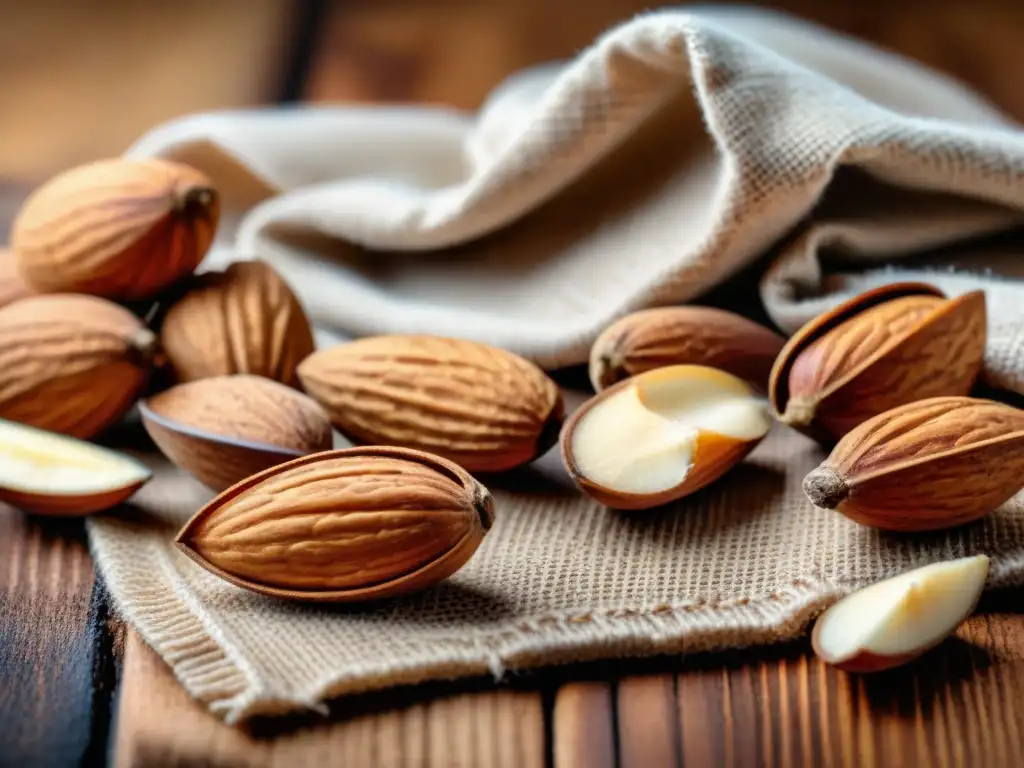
pixel 825 487
pixel 483 503
pixel 798 413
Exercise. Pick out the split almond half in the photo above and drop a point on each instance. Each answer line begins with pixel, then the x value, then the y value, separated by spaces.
pixel 882 349
pixel 895 621
pixel 52 474
pixel 662 435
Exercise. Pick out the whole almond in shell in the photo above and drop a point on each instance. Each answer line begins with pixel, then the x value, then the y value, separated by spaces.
pixel 885 348
pixel 655 338
pixel 242 320
pixel 70 363
pixel 481 407
pixel 124 229
pixel 12 284
pixel 930 464
pixel 348 525
pixel 223 429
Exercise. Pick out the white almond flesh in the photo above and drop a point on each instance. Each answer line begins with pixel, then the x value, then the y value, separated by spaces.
pixel 642 439
pixel 903 616
pixel 33 461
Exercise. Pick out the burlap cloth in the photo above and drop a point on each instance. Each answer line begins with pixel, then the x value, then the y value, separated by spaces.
pixel 677 150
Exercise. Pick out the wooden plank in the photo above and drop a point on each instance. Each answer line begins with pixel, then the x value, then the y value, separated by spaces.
pixel 50 707
pixel 158 724
pixel 584 726
pixel 647 722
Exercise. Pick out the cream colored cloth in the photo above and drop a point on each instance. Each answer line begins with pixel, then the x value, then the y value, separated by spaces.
pixel 677 150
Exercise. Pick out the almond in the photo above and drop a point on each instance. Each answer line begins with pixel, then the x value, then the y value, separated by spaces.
pixel 12 284
pixel 223 429
pixel 51 474
pixel 242 320
pixel 123 229
pixel 70 363
pixel 655 338
pixel 882 349
pixel 347 525
pixel 662 435
pixel 895 621
pixel 482 407
pixel 931 464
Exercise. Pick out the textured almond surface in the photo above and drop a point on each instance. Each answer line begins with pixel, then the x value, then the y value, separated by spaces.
pixel 851 345
pixel 249 408
pixel 930 464
pixel 120 228
pixel 227 428
pixel 242 320
pixel 69 363
pixel 12 284
pixel 479 406
pixel 901 351
pixel 344 520
pixel 655 338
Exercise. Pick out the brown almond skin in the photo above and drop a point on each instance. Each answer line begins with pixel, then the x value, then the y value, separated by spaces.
pixel 932 464
pixel 223 429
pixel 70 363
pixel 655 338
pixel 244 319
pixel 348 525
pixel 482 407
pixel 885 348
pixel 120 228
pixel 12 284
pixel 77 505
pixel 715 455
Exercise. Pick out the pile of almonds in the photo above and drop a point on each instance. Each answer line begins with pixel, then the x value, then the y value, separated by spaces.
pixel 103 308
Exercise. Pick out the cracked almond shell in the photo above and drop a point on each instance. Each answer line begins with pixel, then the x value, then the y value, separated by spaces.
pixel 244 319
pixel 71 363
pixel 223 429
pixel 481 407
pixel 882 349
pixel 655 338
pixel 342 526
pixel 121 228
pixel 47 473
pixel 927 465
pixel 662 435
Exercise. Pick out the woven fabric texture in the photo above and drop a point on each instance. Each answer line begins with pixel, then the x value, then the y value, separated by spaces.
pixel 680 149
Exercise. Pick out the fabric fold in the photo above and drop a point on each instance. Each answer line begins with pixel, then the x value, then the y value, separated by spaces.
pixel 680 149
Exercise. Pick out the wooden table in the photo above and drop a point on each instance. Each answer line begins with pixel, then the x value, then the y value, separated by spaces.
pixel 78 688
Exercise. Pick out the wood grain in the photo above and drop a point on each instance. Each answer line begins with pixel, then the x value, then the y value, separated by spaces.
pixel 584 726
pixel 648 725
pixel 158 725
pixel 49 690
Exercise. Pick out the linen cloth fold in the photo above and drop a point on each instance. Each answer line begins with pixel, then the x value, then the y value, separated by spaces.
pixel 680 149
